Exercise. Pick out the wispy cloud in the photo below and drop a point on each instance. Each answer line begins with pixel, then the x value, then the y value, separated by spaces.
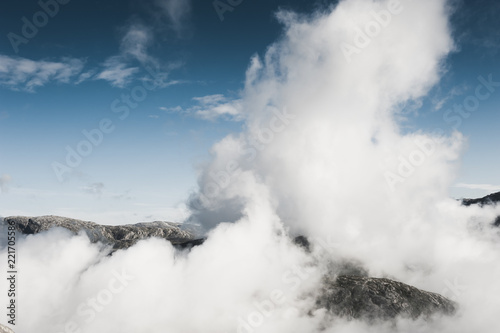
pixel 116 72
pixel 177 13
pixel 441 99
pixel 136 42
pixel 122 68
pixel 23 74
pixel 85 76
pixel 117 69
pixel 175 109
pixel 4 183
pixel 483 187
pixel 211 107
pixel 94 189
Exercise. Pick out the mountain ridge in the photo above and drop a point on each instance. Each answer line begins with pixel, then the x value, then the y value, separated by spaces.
pixel 119 236
pixel 349 293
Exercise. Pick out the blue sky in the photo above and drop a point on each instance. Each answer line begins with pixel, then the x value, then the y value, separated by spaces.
pixel 164 77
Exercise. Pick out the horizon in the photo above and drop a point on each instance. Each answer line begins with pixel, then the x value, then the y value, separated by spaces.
pixel 113 121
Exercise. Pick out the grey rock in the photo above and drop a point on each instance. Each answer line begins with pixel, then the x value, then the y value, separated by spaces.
pixel 490 199
pixel 358 297
pixel 119 237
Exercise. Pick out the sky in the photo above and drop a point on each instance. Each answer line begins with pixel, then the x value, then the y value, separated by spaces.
pixel 109 109
pixel 354 124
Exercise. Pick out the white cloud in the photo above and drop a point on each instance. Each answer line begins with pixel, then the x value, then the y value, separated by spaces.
pixel 120 70
pixel 211 107
pixel 229 110
pixel 135 43
pixel 23 74
pixel 210 99
pixel 116 72
pixel 440 100
pixel 176 109
pixel 85 76
pixel 27 75
pixel 483 187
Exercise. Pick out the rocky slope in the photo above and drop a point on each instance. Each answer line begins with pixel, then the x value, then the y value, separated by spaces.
pixel 358 297
pixel 349 294
pixel 487 200
pixel 119 237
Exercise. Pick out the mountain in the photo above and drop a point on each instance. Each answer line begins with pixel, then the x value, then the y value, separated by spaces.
pixel 360 297
pixel 491 199
pixel 350 293
pixel 487 200
pixel 119 237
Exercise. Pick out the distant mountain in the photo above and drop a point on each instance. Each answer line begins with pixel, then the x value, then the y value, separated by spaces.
pixel 487 200
pixel 491 199
pixel 118 237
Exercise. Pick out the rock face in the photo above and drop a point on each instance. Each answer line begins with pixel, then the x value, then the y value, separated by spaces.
pixel 358 297
pixel 487 200
pixel 119 237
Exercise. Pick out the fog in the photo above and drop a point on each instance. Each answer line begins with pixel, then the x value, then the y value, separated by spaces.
pixel 324 155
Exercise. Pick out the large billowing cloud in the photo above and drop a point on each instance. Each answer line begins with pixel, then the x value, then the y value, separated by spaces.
pixel 323 154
